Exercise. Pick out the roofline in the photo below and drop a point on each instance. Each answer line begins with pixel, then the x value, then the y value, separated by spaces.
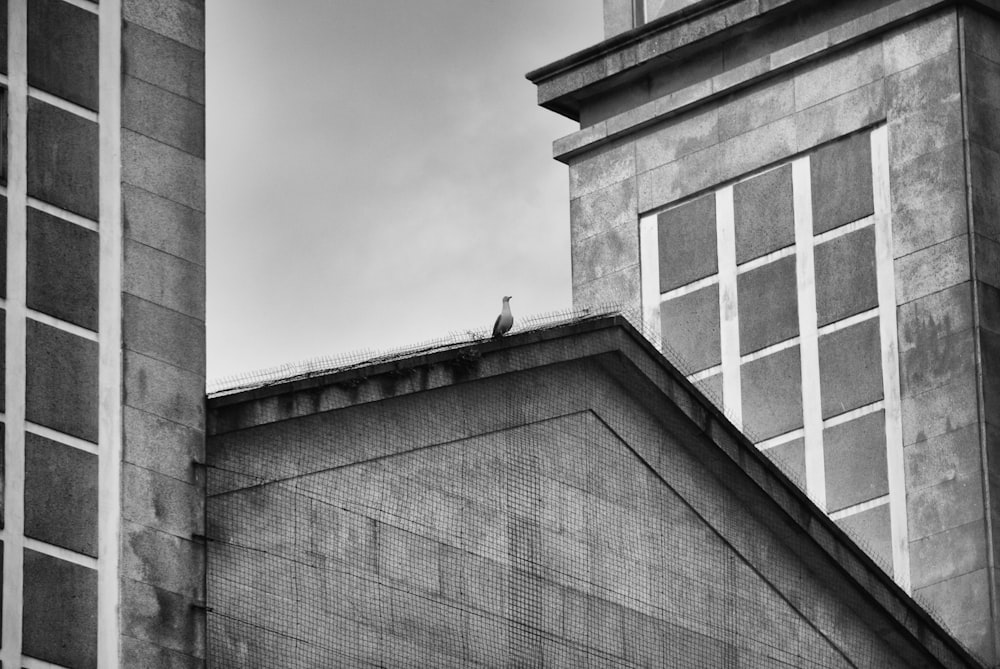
pixel 612 334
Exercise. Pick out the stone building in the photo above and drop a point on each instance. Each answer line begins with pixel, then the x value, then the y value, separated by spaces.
pixel 801 199
pixel 797 196
pixel 103 333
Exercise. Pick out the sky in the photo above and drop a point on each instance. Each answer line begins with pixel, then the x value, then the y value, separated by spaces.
pixel 379 173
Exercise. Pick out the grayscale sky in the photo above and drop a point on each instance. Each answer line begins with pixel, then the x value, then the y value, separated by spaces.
pixel 379 173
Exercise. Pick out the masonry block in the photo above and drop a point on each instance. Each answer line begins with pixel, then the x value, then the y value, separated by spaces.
pixel 689 325
pixel 945 555
pixel 162 618
pixel 937 362
pixel 60 494
pixel 165 280
pixel 938 315
pixel 180 20
pixel 835 76
pixel 743 112
pixel 984 172
pixel 163 334
pixel 850 363
pixel 60 611
pixel 601 170
pixel 163 560
pixel 768 305
pixel 919 41
pixel 620 288
pixel 840 116
pixel 63 261
pixel 930 128
pixel 944 506
pixel 605 253
pixel 841 178
pixel 601 210
pixel 62 159
pixel 845 276
pixel 763 214
pixel 163 170
pixel 928 200
pixel 932 269
pixel 677 138
pixel 942 458
pixel 140 653
pixel 162 503
pixel 164 225
pixel 164 390
pixel 772 393
pixel 164 116
pixel 938 411
pixel 960 601
pixel 163 62
pixel 873 530
pixel 61 383
pixel 855 461
pixel 162 445
pixel 62 51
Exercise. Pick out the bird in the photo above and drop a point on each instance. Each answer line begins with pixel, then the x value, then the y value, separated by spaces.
pixel 504 320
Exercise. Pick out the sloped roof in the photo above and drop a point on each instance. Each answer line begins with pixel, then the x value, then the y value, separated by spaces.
pixel 630 360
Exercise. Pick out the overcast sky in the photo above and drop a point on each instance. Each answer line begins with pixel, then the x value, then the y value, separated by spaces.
pixel 379 172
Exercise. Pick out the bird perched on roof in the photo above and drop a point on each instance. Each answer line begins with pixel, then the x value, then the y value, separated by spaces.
pixel 504 320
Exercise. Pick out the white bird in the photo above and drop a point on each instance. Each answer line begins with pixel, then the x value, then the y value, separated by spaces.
pixel 504 320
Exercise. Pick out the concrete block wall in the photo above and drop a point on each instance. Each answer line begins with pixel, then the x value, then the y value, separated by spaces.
pixel 539 518
pixel 732 113
pixel 103 337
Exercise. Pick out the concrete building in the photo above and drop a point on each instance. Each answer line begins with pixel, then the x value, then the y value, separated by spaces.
pixel 801 198
pixel 103 333
pixel 562 497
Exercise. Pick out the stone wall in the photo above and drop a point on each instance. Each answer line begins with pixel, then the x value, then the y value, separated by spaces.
pixel 889 320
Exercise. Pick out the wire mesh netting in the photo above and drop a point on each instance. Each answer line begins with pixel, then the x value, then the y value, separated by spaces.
pixel 551 516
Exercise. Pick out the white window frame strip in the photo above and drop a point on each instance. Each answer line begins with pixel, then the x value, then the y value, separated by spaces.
pixel 849 321
pixel 769 350
pixel 60 324
pixel 848 416
pixel 689 288
pixel 885 274
pixel 61 437
pixel 60 552
pixel 781 439
pixel 812 408
pixel 765 259
pixel 649 275
pixel 859 508
pixel 698 377
pixel 34 663
pixel 17 154
pixel 729 324
pixel 62 103
pixel 59 212
pixel 110 327
pixel 91 7
pixel 843 230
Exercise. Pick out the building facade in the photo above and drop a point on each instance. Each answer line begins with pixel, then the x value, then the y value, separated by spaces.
pixel 103 329
pixel 801 199
pixel 563 497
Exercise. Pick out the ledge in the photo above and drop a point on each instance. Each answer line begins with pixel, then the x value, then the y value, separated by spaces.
pixel 679 39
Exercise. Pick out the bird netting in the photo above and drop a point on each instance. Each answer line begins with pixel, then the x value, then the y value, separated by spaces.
pixel 429 514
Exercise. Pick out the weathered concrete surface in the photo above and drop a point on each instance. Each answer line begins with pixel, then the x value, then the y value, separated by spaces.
pixel 557 497
pixel 672 111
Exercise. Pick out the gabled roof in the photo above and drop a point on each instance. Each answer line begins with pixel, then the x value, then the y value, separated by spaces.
pixel 613 345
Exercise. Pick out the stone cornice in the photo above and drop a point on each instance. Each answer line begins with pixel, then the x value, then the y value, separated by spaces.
pixel 677 40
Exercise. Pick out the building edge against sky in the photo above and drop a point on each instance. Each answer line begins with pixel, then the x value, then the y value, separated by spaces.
pixel 830 171
pixel 104 309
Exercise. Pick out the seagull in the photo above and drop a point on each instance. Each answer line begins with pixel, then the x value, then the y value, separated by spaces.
pixel 504 320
